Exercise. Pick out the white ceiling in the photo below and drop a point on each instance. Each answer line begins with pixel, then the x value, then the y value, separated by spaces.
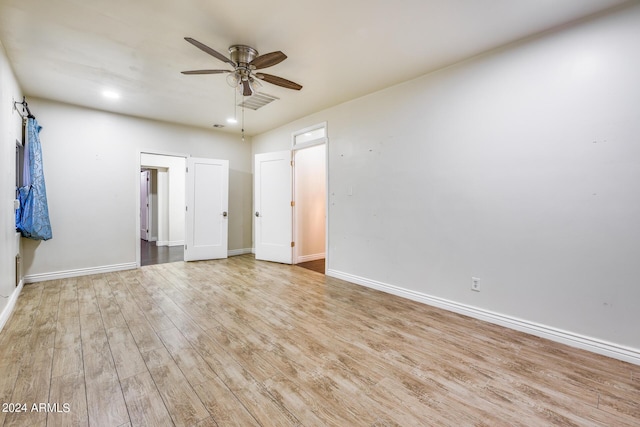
pixel 71 50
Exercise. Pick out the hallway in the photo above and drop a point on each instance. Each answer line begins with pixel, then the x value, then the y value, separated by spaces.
pixel 150 254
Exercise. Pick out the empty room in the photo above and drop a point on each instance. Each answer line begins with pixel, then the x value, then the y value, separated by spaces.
pixel 320 213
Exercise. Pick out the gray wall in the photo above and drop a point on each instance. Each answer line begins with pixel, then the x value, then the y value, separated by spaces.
pixel 520 167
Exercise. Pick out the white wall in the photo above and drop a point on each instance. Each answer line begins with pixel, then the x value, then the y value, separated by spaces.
pixel 10 124
pixel 91 166
pixel 171 196
pixel 310 199
pixel 520 167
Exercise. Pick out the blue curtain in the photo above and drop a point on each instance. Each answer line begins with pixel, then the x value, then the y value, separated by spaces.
pixel 32 219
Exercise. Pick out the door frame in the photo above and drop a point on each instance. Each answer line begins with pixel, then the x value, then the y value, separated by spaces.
pixel 324 140
pixel 147 190
pixel 137 193
pixel 296 205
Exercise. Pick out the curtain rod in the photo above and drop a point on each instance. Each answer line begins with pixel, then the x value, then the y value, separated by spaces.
pixel 25 107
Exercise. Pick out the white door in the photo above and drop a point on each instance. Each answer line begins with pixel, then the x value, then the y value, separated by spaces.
pixel 272 198
pixel 206 225
pixel 144 205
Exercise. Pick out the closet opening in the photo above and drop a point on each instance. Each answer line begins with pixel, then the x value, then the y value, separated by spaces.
pixel 310 195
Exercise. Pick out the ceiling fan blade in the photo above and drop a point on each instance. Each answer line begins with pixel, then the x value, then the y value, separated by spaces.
pixel 246 88
pixel 205 72
pixel 210 51
pixel 268 60
pixel 279 81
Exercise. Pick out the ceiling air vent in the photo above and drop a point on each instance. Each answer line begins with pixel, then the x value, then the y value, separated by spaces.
pixel 257 100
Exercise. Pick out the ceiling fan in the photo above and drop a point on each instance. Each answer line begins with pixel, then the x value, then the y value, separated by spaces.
pixel 245 61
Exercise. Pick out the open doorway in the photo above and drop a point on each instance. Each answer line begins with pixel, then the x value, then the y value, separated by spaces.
pixel 310 207
pixel 162 200
pixel 150 252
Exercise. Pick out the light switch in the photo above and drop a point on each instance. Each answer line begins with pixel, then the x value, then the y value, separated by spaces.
pixel 16 204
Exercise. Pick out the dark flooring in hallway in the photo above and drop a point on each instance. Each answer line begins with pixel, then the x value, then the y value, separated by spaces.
pixel 317 265
pixel 150 254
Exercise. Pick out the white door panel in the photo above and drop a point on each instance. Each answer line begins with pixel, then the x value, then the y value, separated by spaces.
pixel 206 225
pixel 272 198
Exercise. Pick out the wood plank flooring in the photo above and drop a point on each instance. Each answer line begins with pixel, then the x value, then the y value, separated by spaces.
pixel 240 342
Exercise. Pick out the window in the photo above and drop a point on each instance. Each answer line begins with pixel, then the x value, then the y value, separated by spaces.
pixel 307 137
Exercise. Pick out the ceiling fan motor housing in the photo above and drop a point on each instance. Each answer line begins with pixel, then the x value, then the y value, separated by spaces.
pixel 242 54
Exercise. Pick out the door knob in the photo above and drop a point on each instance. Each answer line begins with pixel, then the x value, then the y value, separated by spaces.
pixel 224 214
pixel 257 213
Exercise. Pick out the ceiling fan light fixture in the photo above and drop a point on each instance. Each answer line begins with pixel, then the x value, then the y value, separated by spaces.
pixel 255 83
pixel 233 80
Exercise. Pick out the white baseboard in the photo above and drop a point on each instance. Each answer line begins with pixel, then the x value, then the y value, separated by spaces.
pixel 307 258
pixel 169 242
pixel 605 348
pixel 235 252
pixel 11 304
pixel 32 278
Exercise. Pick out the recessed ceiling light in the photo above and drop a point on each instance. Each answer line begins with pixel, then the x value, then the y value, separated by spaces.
pixel 232 120
pixel 110 94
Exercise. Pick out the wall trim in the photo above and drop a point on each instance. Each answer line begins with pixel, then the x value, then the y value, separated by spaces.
pixel 33 278
pixel 41 277
pixel 11 304
pixel 312 257
pixel 169 242
pixel 594 345
pixel 235 252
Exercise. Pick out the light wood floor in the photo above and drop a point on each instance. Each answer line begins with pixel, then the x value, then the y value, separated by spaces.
pixel 241 342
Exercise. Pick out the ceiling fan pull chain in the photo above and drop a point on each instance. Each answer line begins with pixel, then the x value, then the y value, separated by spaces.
pixel 243 118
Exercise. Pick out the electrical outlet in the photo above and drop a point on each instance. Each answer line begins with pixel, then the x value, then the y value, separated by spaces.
pixel 475 284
